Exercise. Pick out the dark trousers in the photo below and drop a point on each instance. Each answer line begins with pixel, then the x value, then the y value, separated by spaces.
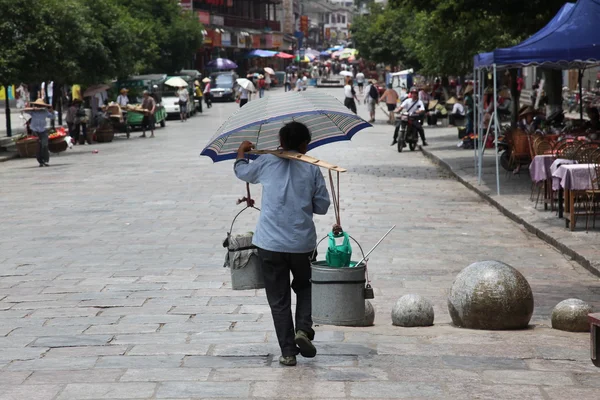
pixel 42 155
pixel 288 87
pixel 208 100
pixel 417 125
pixel 243 102
pixel 454 119
pixel 276 271
pixel 350 104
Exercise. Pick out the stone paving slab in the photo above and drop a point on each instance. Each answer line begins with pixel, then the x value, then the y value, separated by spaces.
pixel 119 278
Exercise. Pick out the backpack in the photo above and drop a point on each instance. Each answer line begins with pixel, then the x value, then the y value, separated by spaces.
pixel 373 92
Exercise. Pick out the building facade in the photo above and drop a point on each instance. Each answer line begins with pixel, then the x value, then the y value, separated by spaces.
pixel 235 27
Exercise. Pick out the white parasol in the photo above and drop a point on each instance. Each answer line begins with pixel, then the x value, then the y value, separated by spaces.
pixel 269 70
pixel 176 82
pixel 246 84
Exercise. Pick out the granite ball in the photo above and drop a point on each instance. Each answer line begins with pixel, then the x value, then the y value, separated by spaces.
pixel 571 315
pixel 412 310
pixel 490 295
pixel 369 319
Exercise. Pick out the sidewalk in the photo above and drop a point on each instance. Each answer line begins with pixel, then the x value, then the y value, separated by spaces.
pixel 582 246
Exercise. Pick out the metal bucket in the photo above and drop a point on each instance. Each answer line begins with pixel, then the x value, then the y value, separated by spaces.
pixel 338 294
pixel 248 277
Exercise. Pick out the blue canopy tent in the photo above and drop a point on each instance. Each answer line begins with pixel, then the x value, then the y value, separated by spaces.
pixel 570 40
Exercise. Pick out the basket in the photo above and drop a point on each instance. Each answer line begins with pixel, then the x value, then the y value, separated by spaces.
pixel 57 145
pixel 27 148
pixel 105 134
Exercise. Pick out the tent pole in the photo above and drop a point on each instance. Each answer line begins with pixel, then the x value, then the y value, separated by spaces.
pixel 475 148
pixel 496 127
pixel 580 94
pixel 480 120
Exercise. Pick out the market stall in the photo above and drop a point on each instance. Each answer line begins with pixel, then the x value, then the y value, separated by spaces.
pixel 569 41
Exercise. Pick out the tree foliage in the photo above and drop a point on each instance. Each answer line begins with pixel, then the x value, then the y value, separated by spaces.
pixel 91 41
pixel 442 36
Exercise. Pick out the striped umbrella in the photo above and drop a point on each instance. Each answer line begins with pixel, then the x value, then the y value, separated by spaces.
pixel 259 121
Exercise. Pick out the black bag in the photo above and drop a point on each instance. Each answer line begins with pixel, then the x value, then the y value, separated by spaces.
pixel 373 92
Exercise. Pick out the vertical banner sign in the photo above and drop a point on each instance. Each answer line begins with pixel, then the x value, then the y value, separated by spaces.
pixel 226 39
pixel 269 41
pixel 304 25
pixel 277 41
pixel 327 33
pixel 256 41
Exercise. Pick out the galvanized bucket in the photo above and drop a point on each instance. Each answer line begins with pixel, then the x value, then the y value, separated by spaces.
pixel 338 294
pixel 248 276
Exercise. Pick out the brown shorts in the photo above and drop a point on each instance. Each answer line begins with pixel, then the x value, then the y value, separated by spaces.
pixel 148 121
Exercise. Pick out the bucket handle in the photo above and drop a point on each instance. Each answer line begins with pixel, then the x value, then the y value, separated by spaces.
pixel 237 215
pixel 359 246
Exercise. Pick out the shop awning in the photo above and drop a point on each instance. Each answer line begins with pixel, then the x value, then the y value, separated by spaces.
pixel 262 53
pixel 570 40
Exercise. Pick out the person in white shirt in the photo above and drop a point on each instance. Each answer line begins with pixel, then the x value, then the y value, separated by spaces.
pixel 122 99
pixel 458 112
pixel 360 81
pixel 413 106
pixel 184 97
pixel 350 96
pixel 243 96
pixel 50 91
pixel 371 98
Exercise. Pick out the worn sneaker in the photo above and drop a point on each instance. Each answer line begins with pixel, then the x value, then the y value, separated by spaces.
pixel 307 349
pixel 394 142
pixel 425 144
pixel 288 361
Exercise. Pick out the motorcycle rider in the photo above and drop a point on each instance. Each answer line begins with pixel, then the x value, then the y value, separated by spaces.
pixel 413 106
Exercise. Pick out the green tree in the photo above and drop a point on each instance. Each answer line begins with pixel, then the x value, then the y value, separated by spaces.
pixel 170 37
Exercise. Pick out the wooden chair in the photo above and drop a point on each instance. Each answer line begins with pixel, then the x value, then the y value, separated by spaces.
pixel 543 147
pixel 520 149
pixel 593 195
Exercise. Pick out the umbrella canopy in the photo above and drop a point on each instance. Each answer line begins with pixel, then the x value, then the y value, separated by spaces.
pixel 269 71
pixel 176 82
pixel 206 80
pixel 95 89
pixel 222 63
pixel 325 54
pixel 284 56
pixel 262 53
pixel 306 58
pixel 346 73
pixel 246 84
pixel 336 54
pixel 260 120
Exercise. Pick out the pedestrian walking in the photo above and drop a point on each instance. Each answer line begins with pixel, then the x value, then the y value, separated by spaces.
pixel 390 96
pixel 267 81
pixel 70 119
pixel 350 96
pixel 262 83
pixel 360 81
pixel 207 93
pixel 148 104
pixel 287 82
pixel 243 96
pixel 23 94
pixel 39 112
pixel 184 98
pixel 198 95
pixel 285 235
pixel 371 98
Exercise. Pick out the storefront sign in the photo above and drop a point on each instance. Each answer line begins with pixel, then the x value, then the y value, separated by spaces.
pixel 226 39
pixel 277 41
pixel 327 33
pixel 204 17
pixel 241 40
pixel 269 41
pixel 256 41
pixel 208 38
pixel 216 39
pixel 218 20
pixel 288 16
pixel 186 5
pixel 229 3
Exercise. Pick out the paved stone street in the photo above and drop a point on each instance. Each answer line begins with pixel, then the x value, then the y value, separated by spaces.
pixel 112 285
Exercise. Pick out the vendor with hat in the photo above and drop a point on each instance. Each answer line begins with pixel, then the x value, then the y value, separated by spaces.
pixel 526 120
pixel 39 111
pixel 122 99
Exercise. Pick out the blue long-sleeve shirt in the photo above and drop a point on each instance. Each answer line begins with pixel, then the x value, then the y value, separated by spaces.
pixel 292 192
pixel 38 120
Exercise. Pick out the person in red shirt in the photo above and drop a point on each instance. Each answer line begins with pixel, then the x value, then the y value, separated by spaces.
pixel 262 84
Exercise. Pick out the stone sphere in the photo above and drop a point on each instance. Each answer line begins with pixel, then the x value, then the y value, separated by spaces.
pixel 571 315
pixel 412 310
pixel 490 295
pixel 369 319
